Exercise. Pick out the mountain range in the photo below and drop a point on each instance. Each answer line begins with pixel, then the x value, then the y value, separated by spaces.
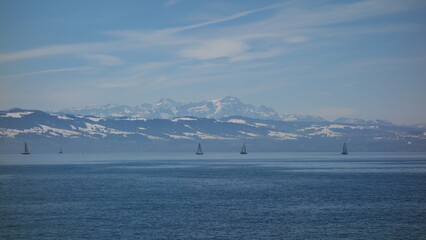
pixel 168 108
pixel 47 132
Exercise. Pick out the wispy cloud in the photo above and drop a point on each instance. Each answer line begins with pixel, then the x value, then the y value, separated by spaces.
pixel 310 14
pixel 138 39
pixel 257 55
pixel 167 36
pixel 104 60
pixel 118 84
pixel 52 50
pixel 170 3
pixel 387 61
pixel 221 20
pixel 291 22
pixel 217 48
pixel 44 72
pixel 296 39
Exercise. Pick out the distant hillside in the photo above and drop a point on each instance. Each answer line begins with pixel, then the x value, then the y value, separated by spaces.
pixel 47 132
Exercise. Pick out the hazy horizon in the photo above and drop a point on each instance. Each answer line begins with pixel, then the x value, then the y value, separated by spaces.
pixel 358 59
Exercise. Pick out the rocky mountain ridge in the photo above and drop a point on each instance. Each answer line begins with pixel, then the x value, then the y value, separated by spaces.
pixel 168 108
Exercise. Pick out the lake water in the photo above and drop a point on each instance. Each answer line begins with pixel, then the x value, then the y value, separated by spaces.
pixel 214 196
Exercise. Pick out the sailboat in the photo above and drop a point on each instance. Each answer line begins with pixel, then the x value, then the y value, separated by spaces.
pixel 199 150
pixel 26 149
pixel 60 151
pixel 243 149
pixel 344 149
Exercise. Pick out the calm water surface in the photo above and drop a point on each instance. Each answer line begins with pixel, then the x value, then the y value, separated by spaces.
pixel 214 196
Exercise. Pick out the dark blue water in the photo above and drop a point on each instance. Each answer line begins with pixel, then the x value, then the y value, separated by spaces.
pixel 216 196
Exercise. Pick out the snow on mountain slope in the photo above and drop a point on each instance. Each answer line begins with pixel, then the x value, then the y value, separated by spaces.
pixel 168 108
pixel 270 135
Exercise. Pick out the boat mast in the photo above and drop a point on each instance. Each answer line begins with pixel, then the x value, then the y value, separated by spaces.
pixel 344 149
pixel 243 149
pixel 199 150
pixel 26 151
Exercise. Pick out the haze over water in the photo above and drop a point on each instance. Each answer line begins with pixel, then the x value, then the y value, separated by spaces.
pixel 214 196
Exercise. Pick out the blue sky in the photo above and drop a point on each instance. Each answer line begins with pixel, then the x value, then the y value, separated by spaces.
pixel 364 59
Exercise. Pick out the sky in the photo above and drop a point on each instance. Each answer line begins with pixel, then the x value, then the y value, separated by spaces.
pixel 360 59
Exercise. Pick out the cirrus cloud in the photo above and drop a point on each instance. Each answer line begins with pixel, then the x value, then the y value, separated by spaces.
pixel 105 60
pixel 216 48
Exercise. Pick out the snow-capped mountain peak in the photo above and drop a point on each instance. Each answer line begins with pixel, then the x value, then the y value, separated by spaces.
pixel 166 102
pixel 167 108
pixel 227 100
